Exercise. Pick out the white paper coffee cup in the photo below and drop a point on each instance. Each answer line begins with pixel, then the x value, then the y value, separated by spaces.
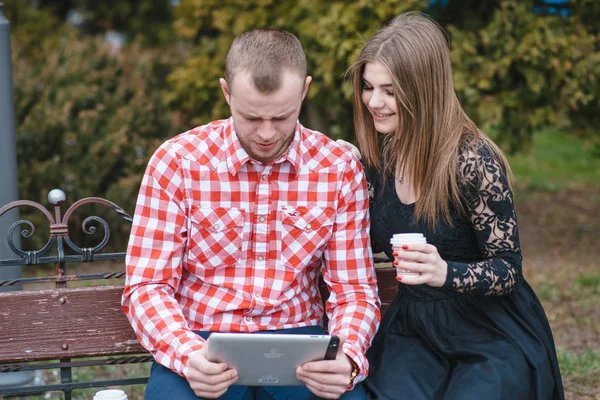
pixel 110 394
pixel 400 239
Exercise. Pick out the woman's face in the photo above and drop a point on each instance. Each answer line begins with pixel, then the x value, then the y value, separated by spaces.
pixel 378 97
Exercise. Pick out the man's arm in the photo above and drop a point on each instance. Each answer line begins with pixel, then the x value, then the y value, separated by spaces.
pixel 154 255
pixel 353 306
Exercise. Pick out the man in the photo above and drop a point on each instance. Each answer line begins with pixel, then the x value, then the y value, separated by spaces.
pixel 235 220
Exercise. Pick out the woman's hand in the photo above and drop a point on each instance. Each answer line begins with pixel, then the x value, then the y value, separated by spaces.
pixel 350 147
pixel 424 259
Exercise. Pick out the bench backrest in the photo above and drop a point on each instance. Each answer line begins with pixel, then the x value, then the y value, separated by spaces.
pixel 52 324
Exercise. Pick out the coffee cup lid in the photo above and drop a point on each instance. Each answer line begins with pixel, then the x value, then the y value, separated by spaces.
pixel 110 394
pixel 400 238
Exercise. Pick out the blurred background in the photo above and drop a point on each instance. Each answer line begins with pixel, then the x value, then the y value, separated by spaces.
pixel 98 85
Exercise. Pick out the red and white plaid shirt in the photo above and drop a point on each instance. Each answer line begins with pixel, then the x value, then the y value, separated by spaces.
pixel 221 242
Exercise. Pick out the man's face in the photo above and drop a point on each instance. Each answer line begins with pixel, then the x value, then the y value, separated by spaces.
pixel 265 122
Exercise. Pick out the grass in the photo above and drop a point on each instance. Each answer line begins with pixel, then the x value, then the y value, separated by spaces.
pixel 581 373
pixel 570 296
pixel 558 201
pixel 557 161
pixel 584 364
pixel 590 280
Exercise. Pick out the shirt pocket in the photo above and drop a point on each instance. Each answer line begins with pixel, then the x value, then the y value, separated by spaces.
pixel 305 233
pixel 216 236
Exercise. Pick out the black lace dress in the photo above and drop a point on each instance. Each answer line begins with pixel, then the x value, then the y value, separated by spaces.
pixel 484 334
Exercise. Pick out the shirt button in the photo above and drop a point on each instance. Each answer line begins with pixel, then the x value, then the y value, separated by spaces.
pixel 257 295
pixel 248 318
pixel 260 258
pixel 216 226
pixel 308 226
pixel 262 219
pixel 264 177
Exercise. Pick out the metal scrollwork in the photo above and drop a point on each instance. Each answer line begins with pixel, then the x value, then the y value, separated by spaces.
pixel 59 235
pixel 26 256
pixel 90 230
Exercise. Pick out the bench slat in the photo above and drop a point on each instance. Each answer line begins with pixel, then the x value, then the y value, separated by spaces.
pixel 35 325
pixel 387 285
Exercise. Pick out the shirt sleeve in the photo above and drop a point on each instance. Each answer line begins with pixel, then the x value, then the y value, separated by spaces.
pixel 353 306
pixel 156 246
pixel 491 210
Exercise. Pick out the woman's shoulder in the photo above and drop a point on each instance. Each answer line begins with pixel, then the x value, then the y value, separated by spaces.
pixel 480 159
pixel 479 153
pixel 473 148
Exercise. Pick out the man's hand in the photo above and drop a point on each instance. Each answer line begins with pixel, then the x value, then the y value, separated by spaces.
pixel 327 378
pixel 208 379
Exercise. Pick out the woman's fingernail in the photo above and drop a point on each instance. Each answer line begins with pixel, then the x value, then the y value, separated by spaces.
pixel 395 262
pixel 398 278
pixel 395 254
pixel 404 246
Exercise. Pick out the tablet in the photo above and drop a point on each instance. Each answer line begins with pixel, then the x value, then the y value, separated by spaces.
pixel 269 359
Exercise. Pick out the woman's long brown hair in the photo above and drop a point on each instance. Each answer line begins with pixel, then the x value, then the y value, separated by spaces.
pixel 433 128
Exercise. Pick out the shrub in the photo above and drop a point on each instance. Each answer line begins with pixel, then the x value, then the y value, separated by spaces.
pixel 523 71
pixel 331 32
pixel 516 71
pixel 88 119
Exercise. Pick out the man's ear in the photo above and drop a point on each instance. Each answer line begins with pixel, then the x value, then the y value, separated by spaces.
pixel 306 84
pixel 225 90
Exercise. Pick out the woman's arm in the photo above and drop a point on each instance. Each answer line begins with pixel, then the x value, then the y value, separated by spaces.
pixel 491 210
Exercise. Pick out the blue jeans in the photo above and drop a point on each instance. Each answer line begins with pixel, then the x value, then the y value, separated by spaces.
pixel 165 384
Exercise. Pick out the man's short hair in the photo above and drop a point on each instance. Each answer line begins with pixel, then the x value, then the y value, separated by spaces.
pixel 265 53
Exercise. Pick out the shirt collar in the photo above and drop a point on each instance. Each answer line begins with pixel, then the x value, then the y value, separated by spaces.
pixel 236 156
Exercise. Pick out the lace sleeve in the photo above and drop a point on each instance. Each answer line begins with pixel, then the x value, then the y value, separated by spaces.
pixel 491 210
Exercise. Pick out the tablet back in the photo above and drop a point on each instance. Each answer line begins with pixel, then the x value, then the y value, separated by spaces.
pixel 267 359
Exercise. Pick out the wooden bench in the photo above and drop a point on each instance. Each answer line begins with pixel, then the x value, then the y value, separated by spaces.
pixel 63 328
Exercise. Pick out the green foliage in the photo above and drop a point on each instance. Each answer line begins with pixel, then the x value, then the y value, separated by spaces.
pixel 88 119
pixel 151 19
pixel 331 33
pixel 588 12
pixel 31 26
pixel 469 15
pixel 515 70
pixel 524 71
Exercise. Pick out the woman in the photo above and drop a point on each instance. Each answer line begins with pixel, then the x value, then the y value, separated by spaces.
pixel 467 325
